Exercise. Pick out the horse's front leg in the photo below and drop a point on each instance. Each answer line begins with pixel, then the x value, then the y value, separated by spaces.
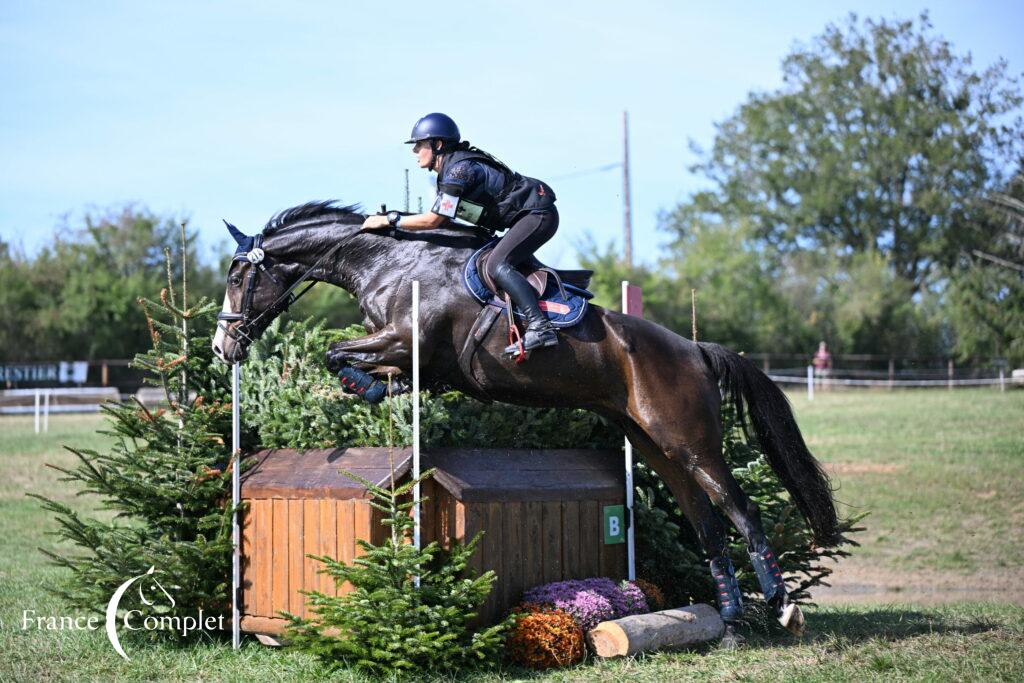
pixel 387 347
pixel 377 352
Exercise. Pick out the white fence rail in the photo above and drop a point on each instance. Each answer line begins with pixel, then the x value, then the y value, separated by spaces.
pixel 812 380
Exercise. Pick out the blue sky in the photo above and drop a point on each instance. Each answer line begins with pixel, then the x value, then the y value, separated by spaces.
pixel 237 110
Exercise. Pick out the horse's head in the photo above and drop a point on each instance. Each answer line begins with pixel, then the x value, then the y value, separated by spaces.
pixel 259 289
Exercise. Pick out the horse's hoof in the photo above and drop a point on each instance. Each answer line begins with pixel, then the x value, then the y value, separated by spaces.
pixel 731 640
pixel 792 619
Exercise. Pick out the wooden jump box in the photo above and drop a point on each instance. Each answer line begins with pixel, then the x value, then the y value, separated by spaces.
pixel 544 514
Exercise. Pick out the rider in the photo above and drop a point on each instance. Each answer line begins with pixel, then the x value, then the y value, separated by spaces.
pixel 474 186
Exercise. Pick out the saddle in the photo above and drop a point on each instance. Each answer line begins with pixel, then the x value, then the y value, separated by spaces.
pixel 561 294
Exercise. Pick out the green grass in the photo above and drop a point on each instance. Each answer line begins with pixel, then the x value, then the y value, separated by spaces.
pixel 948 495
pixel 941 473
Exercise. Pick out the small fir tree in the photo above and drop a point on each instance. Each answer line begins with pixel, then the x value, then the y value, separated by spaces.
pixel 165 479
pixel 389 625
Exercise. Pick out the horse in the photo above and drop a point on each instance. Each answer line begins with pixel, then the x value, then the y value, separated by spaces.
pixel 662 390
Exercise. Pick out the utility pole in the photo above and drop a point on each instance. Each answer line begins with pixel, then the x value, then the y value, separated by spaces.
pixel 406 191
pixel 627 212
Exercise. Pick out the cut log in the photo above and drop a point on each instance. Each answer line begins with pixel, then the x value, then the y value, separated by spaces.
pixel 668 629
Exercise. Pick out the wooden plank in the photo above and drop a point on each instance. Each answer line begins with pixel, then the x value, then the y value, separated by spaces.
pixel 428 515
pixel 511 583
pixel 248 552
pixel 474 521
pixel 296 600
pixel 328 543
pixel 571 563
pixel 346 537
pixel 279 559
pixel 590 539
pixel 263 518
pixel 533 546
pixel 491 558
pixel 362 524
pixel 450 524
pixel 314 474
pixel 310 546
pixel 551 541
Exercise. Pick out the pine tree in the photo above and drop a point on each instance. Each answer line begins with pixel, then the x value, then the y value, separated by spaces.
pixel 165 479
pixel 387 624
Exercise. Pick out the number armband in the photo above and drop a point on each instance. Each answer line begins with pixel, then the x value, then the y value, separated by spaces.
pixel 446 205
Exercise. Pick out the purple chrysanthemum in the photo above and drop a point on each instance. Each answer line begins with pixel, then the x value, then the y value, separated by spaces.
pixel 590 601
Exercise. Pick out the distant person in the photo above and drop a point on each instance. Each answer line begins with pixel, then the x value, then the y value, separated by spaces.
pixel 822 361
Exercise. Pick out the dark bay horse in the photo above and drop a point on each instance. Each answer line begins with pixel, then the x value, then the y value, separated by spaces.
pixel 662 390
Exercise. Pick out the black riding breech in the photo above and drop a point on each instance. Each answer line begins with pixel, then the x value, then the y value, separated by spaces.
pixel 526 236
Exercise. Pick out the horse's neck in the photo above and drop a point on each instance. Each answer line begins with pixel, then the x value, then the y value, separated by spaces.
pixel 349 268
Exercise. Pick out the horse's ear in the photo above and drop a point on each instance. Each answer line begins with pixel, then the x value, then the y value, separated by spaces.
pixel 240 237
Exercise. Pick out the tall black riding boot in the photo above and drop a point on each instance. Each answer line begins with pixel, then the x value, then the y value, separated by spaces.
pixel 539 330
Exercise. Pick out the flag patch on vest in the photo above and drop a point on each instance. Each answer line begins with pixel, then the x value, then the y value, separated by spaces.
pixel 446 205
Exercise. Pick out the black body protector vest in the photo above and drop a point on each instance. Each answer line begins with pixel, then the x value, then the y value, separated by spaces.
pixel 519 196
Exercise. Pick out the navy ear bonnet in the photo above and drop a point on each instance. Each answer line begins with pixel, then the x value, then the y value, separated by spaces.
pixel 249 246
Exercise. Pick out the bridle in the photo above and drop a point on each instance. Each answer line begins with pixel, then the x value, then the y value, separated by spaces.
pixel 247 332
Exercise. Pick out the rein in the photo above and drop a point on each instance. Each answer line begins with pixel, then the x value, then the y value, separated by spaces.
pixel 257 257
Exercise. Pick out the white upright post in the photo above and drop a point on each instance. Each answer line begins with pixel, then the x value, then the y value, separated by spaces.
pixel 810 382
pixel 236 499
pixel 37 411
pixel 628 448
pixel 416 411
pixel 1002 380
pixel 46 410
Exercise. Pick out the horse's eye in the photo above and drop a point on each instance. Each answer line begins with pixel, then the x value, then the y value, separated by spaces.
pixel 235 281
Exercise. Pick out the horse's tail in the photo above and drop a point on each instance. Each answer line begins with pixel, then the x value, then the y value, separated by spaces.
pixel 755 395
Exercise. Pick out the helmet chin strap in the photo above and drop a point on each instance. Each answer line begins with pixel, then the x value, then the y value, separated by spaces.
pixel 434 154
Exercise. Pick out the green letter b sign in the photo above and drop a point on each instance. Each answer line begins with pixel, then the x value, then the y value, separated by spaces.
pixel 614 524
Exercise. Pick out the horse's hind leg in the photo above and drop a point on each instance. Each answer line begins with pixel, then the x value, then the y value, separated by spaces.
pixel 688 435
pixel 703 459
pixel 706 522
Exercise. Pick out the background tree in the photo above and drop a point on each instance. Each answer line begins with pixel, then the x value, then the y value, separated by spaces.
pixel 880 140
pixel 986 294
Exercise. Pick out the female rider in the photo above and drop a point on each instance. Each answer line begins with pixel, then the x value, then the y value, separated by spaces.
pixel 474 186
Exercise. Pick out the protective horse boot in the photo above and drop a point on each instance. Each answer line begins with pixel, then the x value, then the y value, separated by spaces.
pixel 365 385
pixel 539 330
pixel 730 600
pixel 774 587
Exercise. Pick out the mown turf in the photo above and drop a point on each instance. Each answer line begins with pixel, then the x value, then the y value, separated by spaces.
pixel 948 493
pixel 953 502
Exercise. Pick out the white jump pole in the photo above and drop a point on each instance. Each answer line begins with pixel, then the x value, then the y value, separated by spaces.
pixel 236 499
pixel 37 411
pixel 46 410
pixel 628 448
pixel 810 382
pixel 416 412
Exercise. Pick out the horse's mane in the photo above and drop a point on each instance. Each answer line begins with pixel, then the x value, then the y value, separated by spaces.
pixel 302 213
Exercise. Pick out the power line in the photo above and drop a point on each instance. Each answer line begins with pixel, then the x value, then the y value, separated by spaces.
pixel 599 169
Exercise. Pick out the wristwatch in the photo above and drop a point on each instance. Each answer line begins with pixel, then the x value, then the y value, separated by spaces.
pixel 394 218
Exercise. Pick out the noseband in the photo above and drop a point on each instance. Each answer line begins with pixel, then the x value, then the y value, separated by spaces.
pixel 247 332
